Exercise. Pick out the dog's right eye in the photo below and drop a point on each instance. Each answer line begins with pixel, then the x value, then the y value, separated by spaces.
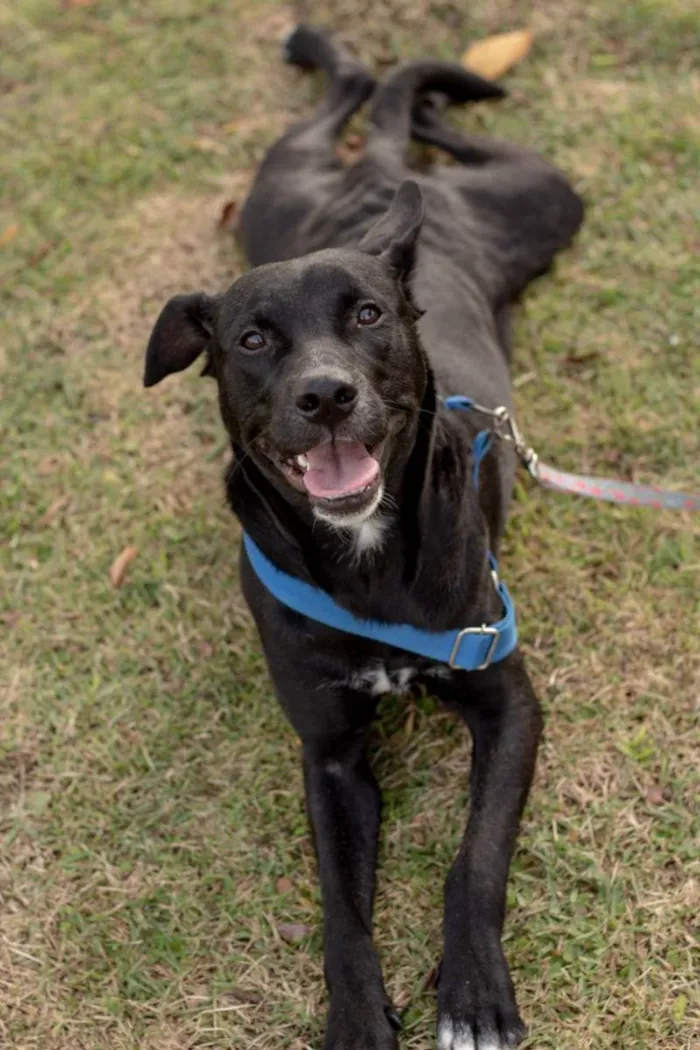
pixel 368 314
pixel 252 341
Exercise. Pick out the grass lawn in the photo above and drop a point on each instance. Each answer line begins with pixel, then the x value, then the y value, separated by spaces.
pixel 154 844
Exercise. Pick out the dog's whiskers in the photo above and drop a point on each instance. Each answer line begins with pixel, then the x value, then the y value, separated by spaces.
pixel 402 408
pixel 239 461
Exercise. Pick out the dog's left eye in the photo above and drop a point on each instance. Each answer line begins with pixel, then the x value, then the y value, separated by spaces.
pixel 368 314
pixel 252 341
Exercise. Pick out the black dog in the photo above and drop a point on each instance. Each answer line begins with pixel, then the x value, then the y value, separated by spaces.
pixel 349 474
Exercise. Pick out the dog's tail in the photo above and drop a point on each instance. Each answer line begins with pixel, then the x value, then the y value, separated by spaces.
pixel 396 99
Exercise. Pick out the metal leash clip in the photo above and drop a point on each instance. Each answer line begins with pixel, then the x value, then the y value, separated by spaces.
pixel 507 428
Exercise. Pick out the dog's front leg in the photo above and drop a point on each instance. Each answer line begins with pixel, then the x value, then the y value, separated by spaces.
pixel 476 1001
pixel 344 807
pixel 343 801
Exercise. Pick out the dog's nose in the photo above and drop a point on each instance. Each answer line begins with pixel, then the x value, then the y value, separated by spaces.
pixel 326 399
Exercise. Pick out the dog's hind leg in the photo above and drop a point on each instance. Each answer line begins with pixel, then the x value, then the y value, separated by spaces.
pixel 472 150
pixel 391 117
pixel 350 85
pixel 521 195
pixel 302 169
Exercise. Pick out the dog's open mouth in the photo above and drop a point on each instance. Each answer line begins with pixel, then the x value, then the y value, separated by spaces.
pixel 342 478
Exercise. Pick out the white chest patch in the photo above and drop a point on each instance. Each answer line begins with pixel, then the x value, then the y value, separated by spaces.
pixel 369 535
pixel 373 680
pixel 376 680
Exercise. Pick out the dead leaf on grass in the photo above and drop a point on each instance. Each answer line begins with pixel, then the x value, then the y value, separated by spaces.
pixel 9 234
pixel 283 885
pixel 228 220
pixel 583 358
pixel 242 995
pixel 494 56
pixel 354 142
pixel 56 507
pixel 293 931
pixel 431 980
pixel 47 466
pixel 121 564
pixel 351 146
pixel 654 795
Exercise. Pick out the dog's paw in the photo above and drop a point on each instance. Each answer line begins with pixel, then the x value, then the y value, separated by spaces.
pixel 310 48
pixel 362 1027
pixel 455 1034
pixel 477 1010
pixel 358 1039
pixel 300 47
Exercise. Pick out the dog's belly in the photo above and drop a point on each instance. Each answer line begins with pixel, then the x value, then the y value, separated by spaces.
pixel 378 679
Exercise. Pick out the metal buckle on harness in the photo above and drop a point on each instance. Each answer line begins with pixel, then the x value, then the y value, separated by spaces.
pixel 483 630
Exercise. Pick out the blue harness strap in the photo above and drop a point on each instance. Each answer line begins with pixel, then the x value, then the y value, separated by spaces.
pixel 468 649
pixel 483 440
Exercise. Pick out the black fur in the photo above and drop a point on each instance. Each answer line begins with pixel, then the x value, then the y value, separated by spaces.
pixel 324 239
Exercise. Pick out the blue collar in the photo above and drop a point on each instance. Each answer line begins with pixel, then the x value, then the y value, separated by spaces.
pixel 468 649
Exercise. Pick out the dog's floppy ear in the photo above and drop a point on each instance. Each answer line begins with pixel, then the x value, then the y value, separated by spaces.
pixel 394 237
pixel 181 333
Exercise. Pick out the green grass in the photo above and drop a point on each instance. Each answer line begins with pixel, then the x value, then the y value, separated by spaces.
pixel 150 791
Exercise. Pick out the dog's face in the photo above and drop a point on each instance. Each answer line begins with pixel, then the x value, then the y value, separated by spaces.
pixel 318 364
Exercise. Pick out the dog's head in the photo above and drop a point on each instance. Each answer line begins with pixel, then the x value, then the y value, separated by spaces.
pixel 320 372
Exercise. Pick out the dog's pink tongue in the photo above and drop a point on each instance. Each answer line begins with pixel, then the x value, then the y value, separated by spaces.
pixel 338 469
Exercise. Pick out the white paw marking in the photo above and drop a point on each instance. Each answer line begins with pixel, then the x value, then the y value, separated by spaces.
pixel 451 1037
pixel 445 1033
pixel 460 1037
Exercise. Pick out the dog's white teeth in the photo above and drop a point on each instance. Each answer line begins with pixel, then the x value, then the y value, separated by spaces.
pixel 302 462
